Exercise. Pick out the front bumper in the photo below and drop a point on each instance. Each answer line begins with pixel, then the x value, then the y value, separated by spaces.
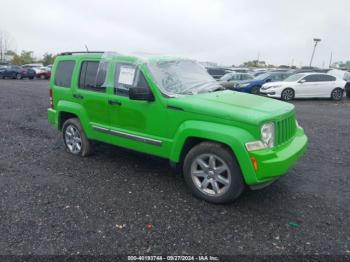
pixel 273 163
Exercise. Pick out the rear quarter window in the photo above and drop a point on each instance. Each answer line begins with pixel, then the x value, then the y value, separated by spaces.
pixel 64 73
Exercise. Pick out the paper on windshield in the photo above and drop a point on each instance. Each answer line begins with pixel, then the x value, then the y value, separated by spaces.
pixel 126 75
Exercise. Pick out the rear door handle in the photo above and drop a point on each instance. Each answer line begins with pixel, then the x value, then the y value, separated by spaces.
pixel 114 103
pixel 78 96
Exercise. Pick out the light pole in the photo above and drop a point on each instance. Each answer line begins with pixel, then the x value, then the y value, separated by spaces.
pixel 316 40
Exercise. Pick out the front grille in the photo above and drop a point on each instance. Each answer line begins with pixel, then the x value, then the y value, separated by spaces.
pixel 285 130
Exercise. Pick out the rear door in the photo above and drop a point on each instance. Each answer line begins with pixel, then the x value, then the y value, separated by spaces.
pixel 327 85
pixel 90 91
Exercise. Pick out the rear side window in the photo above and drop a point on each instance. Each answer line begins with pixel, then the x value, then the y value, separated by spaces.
pixel 327 78
pixel 93 75
pixel 64 73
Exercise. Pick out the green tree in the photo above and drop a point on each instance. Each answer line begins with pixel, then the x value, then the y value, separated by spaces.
pixel 48 59
pixel 26 57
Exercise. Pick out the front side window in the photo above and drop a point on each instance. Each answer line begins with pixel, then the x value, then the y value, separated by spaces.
pixel 93 75
pixel 126 77
pixel 64 73
pixel 294 78
pixel 312 78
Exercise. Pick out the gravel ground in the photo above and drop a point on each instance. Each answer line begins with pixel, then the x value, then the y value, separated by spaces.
pixel 122 202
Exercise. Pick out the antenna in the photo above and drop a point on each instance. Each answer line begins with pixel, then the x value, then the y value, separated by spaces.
pixel 86 47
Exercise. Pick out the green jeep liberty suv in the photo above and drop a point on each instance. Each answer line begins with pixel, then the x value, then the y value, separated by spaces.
pixel 172 108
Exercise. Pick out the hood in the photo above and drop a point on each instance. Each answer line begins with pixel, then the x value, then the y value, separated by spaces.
pixel 236 106
pixel 252 82
pixel 273 84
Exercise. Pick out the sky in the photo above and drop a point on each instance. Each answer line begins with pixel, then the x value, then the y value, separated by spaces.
pixel 222 31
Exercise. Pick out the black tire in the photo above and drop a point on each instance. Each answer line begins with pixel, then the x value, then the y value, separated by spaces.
pixel 31 77
pixel 233 189
pixel 18 76
pixel 85 148
pixel 337 94
pixel 348 93
pixel 287 94
pixel 255 90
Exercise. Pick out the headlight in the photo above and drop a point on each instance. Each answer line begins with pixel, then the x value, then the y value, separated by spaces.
pixel 268 134
pixel 267 138
pixel 268 87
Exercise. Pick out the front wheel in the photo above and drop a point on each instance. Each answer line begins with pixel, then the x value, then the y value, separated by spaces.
pixel 18 76
pixel 337 94
pixel 287 94
pixel 212 173
pixel 255 90
pixel 75 139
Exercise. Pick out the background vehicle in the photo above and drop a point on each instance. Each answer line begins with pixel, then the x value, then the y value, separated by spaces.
pixel 217 72
pixel 253 86
pixel 44 73
pixel 308 85
pixel 207 131
pixel 230 80
pixel 17 72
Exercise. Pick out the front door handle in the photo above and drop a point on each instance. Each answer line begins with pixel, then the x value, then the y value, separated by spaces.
pixel 78 96
pixel 114 103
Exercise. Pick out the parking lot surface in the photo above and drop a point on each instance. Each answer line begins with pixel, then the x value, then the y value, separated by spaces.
pixel 121 202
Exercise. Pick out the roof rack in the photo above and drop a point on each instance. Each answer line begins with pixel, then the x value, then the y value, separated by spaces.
pixel 82 52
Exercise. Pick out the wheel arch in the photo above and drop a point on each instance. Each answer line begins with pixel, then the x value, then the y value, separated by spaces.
pixel 233 138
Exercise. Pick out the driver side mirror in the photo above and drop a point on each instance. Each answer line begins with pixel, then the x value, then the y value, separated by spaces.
pixel 302 81
pixel 141 93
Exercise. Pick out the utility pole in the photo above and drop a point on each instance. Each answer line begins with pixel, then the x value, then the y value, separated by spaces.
pixel 316 40
pixel 330 60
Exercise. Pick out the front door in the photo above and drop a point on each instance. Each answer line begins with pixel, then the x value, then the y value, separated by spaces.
pixel 135 122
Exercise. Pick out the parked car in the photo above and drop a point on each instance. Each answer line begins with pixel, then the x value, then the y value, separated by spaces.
pixel 44 73
pixel 307 85
pixel 347 89
pixel 217 72
pixel 253 86
pixel 172 108
pixel 17 72
pixel 230 80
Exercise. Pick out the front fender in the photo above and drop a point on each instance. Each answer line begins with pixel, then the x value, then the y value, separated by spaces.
pixel 234 137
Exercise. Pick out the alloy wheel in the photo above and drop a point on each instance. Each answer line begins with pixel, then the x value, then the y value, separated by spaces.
pixel 211 175
pixel 287 94
pixel 337 94
pixel 73 139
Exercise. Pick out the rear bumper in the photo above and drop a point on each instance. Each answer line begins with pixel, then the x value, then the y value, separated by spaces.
pixel 52 117
pixel 275 163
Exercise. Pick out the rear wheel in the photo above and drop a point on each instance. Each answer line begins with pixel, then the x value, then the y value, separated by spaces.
pixel 75 139
pixel 18 76
pixel 287 94
pixel 212 173
pixel 42 77
pixel 337 94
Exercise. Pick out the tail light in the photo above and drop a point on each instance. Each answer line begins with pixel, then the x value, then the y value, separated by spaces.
pixel 51 99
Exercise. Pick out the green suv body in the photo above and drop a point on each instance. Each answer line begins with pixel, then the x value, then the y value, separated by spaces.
pixel 170 107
